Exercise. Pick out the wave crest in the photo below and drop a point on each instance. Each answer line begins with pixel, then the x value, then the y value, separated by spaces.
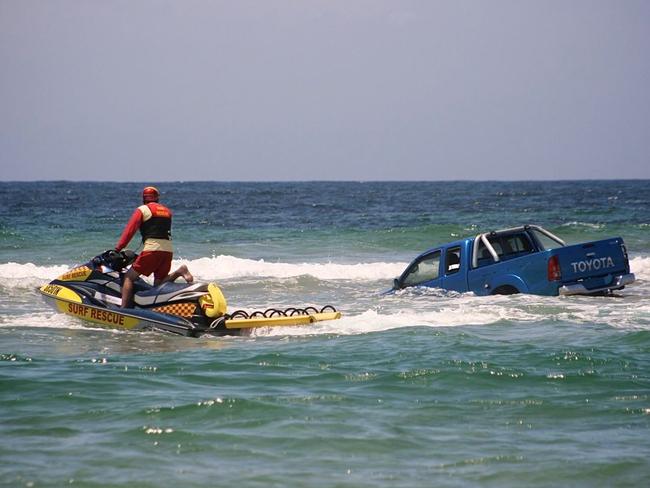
pixel 29 270
pixel 228 267
pixel 225 267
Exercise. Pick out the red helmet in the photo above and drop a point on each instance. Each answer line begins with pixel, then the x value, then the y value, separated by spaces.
pixel 150 194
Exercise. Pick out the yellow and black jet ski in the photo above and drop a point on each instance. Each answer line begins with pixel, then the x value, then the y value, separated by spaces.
pixel 93 293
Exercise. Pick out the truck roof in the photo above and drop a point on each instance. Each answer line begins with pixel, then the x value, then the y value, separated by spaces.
pixel 484 237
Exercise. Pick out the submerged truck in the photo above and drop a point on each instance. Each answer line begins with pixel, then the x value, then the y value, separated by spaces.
pixel 526 259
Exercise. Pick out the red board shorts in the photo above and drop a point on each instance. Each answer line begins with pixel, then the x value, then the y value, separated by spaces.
pixel 157 262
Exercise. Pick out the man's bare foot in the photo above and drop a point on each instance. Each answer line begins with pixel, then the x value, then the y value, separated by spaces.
pixel 185 273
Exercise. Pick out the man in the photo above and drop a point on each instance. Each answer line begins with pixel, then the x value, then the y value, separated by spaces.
pixel 155 223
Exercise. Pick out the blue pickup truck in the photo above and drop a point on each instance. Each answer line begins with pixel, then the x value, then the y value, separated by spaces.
pixel 527 259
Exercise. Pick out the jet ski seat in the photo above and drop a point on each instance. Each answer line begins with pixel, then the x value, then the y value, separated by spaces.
pixel 165 291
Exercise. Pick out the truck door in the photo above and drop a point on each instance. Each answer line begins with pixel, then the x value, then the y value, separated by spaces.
pixel 424 271
pixel 454 276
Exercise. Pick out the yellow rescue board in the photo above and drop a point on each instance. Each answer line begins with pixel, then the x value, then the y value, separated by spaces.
pixel 281 321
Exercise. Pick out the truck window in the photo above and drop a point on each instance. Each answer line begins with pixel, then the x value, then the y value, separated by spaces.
pixel 426 269
pixel 497 247
pixel 506 246
pixel 452 260
pixel 518 244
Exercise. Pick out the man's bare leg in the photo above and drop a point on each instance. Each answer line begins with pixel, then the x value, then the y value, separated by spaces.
pixel 127 287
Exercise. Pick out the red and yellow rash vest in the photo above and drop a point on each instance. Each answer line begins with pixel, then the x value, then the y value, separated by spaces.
pixel 155 223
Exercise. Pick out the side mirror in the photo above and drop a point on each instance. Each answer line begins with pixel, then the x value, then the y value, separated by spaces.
pixel 396 284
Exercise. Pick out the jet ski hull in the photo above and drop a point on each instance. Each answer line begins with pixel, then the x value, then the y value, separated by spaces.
pixel 69 302
pixel 93 293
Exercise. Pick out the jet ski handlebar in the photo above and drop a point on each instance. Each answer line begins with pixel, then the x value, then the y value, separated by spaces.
pixel 117 260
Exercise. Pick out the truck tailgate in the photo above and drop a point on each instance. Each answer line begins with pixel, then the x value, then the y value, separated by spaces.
pixel 593 263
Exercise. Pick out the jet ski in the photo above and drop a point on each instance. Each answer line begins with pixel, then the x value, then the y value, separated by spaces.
pixel 93 292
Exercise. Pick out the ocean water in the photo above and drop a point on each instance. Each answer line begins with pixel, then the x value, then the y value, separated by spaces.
pixel 420 388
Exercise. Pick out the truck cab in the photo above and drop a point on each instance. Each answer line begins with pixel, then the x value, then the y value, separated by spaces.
pixel 441 267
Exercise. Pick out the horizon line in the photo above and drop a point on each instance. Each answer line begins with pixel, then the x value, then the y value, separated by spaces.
pixel 491 180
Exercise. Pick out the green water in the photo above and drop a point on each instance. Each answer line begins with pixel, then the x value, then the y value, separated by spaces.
pixel 541 404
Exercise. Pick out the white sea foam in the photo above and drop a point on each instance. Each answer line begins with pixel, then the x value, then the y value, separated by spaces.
pixel 16 275
pixel 372 321
pixel 465 309
pixel 640 266
pixel 49 319
pixel 29 270
pixel 588 225
pixel 468 309
pixel 227 267
pixel 224 267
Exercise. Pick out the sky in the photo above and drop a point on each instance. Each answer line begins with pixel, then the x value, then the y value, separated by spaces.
pixel 361 90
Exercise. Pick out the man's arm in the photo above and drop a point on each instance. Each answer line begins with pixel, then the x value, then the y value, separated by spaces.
pixel 130 229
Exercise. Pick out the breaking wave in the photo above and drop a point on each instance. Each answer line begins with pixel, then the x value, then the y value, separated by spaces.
pixel 225 267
